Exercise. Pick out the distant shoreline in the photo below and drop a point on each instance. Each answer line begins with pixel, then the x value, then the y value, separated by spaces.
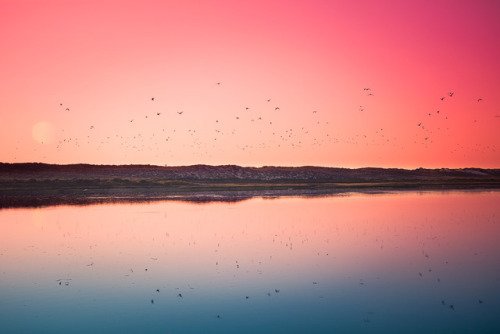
pixel 35 185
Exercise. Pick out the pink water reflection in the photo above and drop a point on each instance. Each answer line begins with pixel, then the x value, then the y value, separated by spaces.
pixel 416 262
pixel 336 239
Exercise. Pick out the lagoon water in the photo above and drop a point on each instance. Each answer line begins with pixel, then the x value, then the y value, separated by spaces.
pixel 388 263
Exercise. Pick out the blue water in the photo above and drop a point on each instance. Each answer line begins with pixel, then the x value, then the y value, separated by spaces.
pixel 399 263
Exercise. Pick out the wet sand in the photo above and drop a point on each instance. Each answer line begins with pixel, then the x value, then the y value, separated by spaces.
pixel 53 193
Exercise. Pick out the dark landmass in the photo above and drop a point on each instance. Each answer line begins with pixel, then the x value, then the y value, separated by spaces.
pixel 37 184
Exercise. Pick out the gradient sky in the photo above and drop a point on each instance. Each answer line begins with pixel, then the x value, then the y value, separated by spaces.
pixel 357 83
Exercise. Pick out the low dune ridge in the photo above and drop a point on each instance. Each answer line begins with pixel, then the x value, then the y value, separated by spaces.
pixel 37 184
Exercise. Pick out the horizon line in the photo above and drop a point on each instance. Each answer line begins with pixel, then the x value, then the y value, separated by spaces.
pixel 242 166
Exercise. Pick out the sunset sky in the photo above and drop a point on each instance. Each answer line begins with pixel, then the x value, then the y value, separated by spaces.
pixel 331 83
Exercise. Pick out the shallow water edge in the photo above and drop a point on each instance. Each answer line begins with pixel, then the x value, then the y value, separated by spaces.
pixel 145 195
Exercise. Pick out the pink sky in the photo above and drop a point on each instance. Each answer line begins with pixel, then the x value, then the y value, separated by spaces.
pixel 106 60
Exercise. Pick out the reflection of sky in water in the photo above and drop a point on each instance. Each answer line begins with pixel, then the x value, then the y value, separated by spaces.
pixel 366 263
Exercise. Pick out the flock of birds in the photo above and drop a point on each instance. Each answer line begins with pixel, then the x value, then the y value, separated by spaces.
pixel 248 130
pixel 155 141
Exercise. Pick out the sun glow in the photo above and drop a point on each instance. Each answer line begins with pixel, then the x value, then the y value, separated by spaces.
pixel 43 132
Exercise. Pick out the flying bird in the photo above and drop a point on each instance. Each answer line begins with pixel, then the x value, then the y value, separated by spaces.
pixel 478 100
pixel 180 112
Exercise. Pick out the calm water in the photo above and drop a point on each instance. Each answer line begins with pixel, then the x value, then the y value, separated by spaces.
pixel 392 263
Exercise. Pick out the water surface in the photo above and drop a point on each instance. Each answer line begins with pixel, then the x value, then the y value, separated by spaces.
pixel 388 263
